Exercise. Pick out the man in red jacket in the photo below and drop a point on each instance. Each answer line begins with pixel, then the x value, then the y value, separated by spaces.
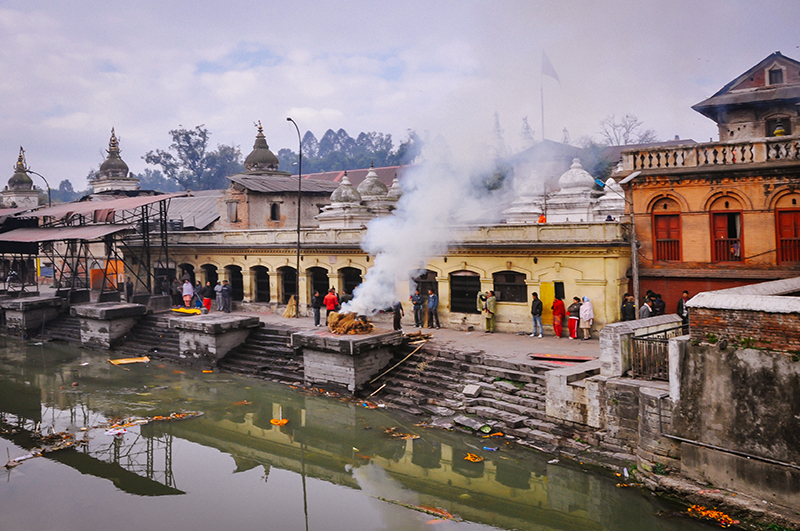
pixel 331 301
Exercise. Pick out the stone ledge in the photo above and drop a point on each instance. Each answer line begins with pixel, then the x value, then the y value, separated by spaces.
pixel 106 311
pixel 31 303
pixel 213 324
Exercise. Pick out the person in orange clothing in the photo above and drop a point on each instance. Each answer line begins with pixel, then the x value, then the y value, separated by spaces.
pixel 558 316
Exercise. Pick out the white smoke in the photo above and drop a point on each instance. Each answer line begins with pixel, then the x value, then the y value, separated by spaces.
pixel 440 194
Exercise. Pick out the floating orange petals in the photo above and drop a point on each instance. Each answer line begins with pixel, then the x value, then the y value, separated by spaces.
pixel 472 458
pixel 279 422
pixel 698 511
pixel 176 371
pixel 242 403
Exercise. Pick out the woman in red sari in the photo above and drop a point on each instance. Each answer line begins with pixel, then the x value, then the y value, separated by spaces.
pixel 558 316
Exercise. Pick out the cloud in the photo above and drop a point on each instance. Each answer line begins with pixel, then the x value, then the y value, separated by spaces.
pixel 145 67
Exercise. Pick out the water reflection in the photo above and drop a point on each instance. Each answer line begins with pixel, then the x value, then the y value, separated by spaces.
pixel 330 467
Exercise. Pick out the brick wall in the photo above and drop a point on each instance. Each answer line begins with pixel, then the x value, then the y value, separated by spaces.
pixel 774 331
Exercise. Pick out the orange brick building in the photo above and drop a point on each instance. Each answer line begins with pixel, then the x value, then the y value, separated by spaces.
pixel 723 214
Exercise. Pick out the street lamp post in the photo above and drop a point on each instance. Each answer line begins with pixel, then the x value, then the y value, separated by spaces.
pixel 299 196
pixel 49 200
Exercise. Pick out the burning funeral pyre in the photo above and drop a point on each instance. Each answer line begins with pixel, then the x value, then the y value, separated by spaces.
pixel 349 323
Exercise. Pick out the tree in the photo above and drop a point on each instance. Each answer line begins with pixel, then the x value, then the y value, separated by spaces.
pixel 626 130
pixel 155 180
pixel 189 163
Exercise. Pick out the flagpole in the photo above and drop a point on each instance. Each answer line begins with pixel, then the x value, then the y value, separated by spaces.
pixel 542 92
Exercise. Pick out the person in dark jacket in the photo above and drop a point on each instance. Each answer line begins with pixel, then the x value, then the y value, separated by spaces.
pixel 207 293
pixel 659 306
pixel 226 293
pixel 129 290
pixel 316 305
pixel 433 309
pixel 536 313
pixel 628 308
pixel 574 311
pixel 683 310
pixel 416 301
pixel 397 315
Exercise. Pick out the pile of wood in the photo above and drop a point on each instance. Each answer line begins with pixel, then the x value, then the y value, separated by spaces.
pixel 349 323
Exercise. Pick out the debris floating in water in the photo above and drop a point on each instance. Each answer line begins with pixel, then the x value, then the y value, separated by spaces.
pixel 698 511
pixel 391 432
pixel 473 458
pixel 126 361
pixel 279 422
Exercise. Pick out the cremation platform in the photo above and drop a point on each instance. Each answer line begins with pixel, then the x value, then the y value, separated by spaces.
pixel 347 361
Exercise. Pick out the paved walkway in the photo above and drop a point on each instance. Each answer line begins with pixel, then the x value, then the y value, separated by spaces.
pixel 510 346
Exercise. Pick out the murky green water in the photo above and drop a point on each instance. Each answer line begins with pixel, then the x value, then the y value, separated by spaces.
pixel 331 467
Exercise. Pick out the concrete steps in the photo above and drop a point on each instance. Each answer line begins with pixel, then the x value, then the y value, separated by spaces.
pixel 64 328
pixel 266 354
pixel 153 337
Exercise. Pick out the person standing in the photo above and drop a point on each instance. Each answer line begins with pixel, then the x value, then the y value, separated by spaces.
pixel 683 310
pixel 416 301
pixel 491 309
pixel 208 293
pixel 397 315
pixel 628 308
pixel 164 286
pixel 226 293
pixel 659 306
pixel 218 294
pixel 536 313
pixel 188 293
pixel 587 318
pixel 331 301
pixel 558 316
pixel 176 292
pixel 646 310
pixel 129 290
pixel 316 305
pixel 574 311
pixel 433 309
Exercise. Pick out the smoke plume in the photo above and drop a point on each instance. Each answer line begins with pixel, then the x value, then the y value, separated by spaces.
pixel 440 194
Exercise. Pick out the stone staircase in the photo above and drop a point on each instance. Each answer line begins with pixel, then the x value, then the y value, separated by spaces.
pixel 64 328
pixel 266 354
pixel 152 337
pixel 511 398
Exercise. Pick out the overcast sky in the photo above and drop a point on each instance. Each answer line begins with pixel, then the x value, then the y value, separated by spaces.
pixel 72 70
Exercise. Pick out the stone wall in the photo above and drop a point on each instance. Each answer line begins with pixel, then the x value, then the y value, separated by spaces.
pixel 776 331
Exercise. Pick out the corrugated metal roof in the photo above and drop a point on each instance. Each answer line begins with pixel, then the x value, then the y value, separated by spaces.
pixel 88 208
pixel 50 234
pixel 197 211
pixel 279 183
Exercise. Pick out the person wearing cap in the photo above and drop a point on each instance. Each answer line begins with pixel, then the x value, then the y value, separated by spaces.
pixel 226 296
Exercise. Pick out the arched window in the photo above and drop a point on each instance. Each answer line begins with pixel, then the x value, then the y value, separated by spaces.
pixel 464 288
pixel 666 230
pixel 726 230
pixel 787 217
pixel 275 212
pixel 509 286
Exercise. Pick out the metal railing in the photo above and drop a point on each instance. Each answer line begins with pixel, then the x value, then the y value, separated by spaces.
pixel 728 250
pixel 668 250
pixel 650 353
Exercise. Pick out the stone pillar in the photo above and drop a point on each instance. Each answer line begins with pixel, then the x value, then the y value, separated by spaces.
pixel 335 280
pixel 274 283
pixel 202 275
pixel 248 285
pixel 276 294
pixel 303 296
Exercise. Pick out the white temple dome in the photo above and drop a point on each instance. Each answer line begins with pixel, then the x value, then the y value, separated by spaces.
pixel 371 186
pixel 575 178
pixel 345 193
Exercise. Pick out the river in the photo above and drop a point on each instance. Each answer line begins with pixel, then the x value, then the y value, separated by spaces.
pixel 331 465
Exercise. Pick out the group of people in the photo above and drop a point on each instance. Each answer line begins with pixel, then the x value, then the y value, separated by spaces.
pixel 579 315
pixel 418 305
pixel 653 305
pixel 194 295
